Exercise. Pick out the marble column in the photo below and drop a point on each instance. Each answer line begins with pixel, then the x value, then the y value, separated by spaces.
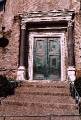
pixel 21 73
pixel 71 57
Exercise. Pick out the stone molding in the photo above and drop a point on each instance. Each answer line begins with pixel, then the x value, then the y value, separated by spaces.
pixel 37 17
pixel 62 47
pixel 60 15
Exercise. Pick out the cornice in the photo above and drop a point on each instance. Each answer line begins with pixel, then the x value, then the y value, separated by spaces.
pixel 60 15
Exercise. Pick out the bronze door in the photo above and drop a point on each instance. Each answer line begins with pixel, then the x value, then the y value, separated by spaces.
pixel 47 58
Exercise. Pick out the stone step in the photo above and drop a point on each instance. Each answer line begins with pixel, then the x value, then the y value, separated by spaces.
pixel 37 109
pixel 40 99
pixel 43 90
pixel 48 99
pixel 43 118
pixel 24 118
pixel 40 84
pixel 33 112
pixel 66 118
pixel 37 104
pixel 52 88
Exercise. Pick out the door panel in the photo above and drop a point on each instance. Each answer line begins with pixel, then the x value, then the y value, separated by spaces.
pixel 46 64
pixel 39 58
pixel 54 58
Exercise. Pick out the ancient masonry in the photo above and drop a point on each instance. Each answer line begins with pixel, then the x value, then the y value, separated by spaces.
pixel 40 47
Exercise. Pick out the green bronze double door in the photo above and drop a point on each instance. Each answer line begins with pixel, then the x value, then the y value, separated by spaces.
pixel 47 58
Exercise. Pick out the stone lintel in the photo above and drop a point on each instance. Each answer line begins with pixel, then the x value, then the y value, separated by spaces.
pixel 60 15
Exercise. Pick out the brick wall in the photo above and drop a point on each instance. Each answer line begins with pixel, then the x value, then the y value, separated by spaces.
pixel 78 43
pixel 10 54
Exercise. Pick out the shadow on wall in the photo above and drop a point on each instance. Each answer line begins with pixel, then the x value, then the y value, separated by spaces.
pixel 3 42
pixel 75 87
pixel 2 5
pixel 77 84
pixel 7 87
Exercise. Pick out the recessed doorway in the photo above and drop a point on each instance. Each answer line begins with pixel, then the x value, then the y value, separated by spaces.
pixel 46 59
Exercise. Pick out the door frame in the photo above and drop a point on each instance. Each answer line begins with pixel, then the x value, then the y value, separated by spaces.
pixel 63 51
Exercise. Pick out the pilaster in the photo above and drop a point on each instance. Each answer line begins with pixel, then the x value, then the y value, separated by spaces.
pixel 21 73
pixel 71 59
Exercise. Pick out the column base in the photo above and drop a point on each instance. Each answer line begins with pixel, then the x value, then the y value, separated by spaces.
pixel 71 73
pixel 21 73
